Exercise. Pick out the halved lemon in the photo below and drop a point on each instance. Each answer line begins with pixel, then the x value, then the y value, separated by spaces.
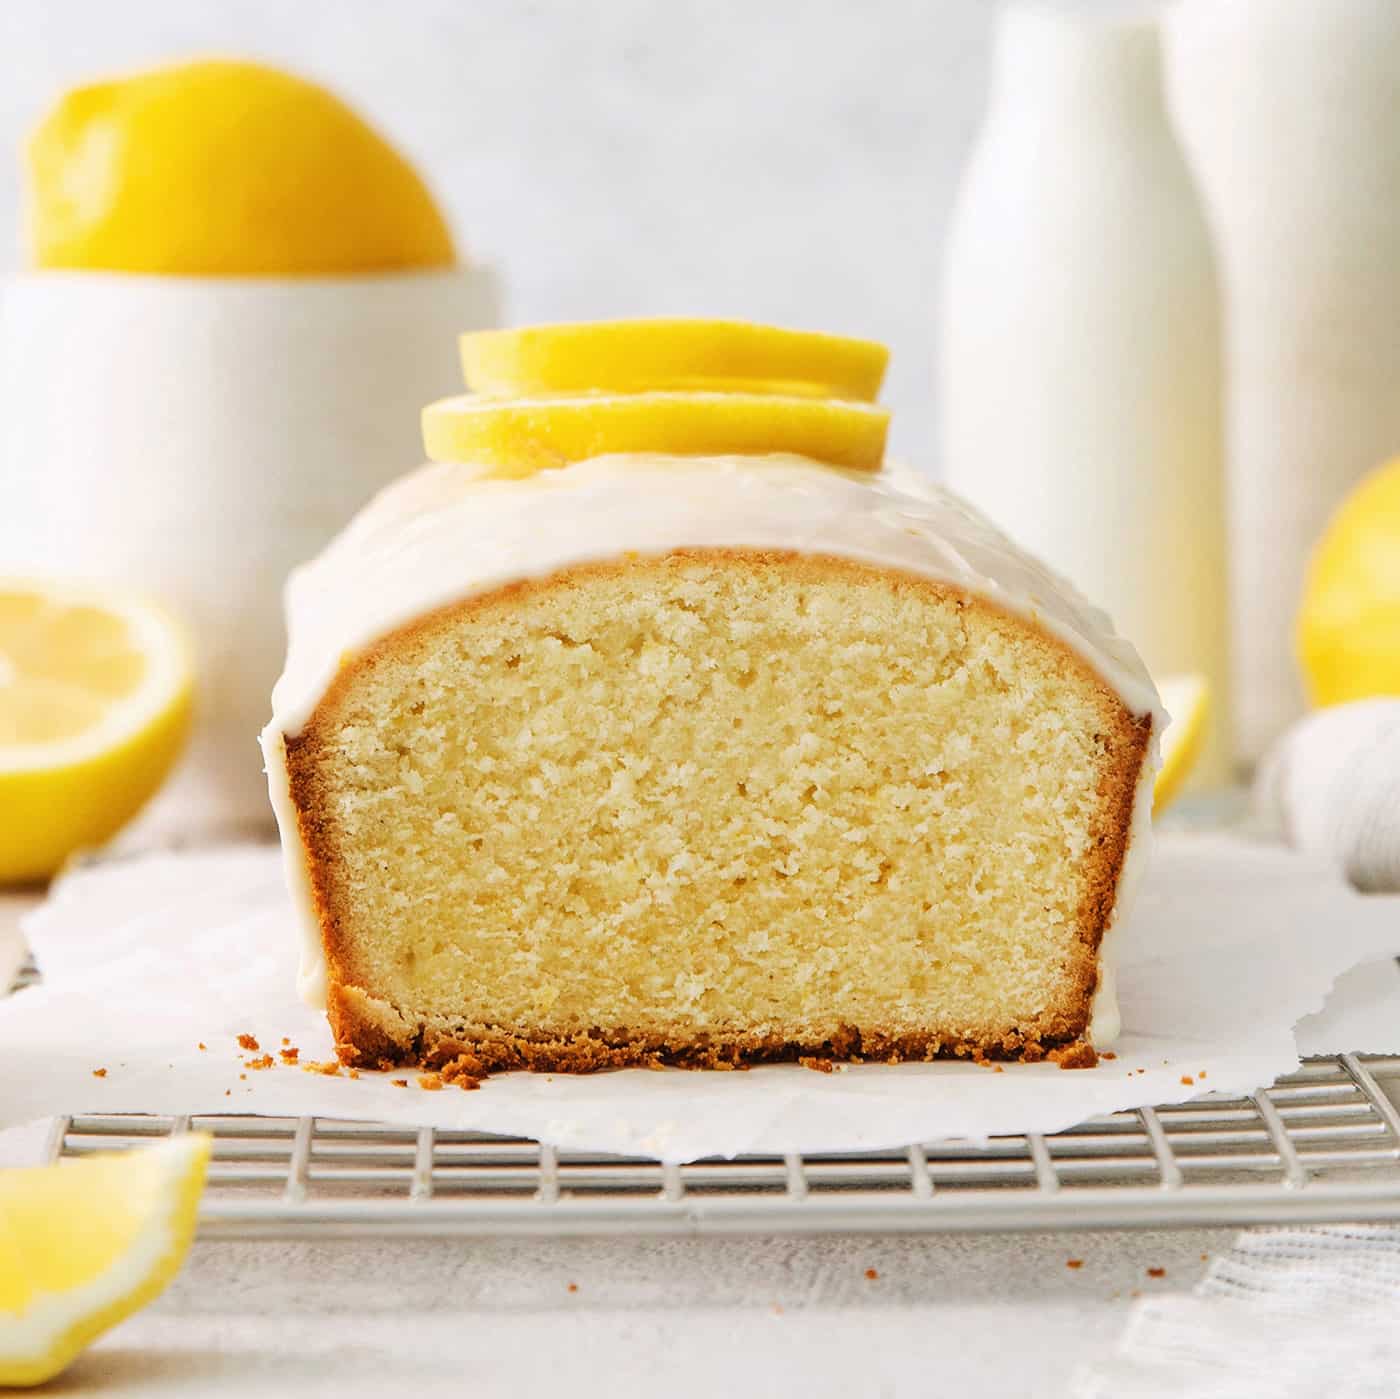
pixel 83 1244
pixel 517 437
pixel 641 355
pixel 95 695
pixel 1186 698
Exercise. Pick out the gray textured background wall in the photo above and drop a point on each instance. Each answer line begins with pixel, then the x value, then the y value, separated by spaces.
pixel 762 158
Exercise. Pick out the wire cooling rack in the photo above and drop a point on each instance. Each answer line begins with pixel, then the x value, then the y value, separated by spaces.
pixel 1321 1145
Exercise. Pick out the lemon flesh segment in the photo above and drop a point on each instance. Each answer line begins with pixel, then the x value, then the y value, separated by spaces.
pixel 1186 698
pixel 95 700
pixel 518 437
pixel 1348 631
pixel 83 1244
pixel 223 168
pixel 640 355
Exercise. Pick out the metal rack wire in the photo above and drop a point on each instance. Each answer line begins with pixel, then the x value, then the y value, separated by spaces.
pixel 1321 1145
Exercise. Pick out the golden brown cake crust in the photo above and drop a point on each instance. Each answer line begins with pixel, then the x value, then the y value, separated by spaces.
pixel 370 1032
pixel 365 1036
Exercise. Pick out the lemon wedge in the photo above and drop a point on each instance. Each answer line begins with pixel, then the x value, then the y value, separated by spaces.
pixel 640 355
pixel 1349 620
pixel 83 1244
pixel 1186 698
pixel 520 436
pixel 220 168
pixel 95 698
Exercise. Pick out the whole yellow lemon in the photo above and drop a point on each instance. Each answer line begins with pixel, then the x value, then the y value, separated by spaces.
pixel 1349 622
pixel 221 168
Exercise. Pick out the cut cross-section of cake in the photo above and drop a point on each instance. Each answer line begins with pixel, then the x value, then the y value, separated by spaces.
pixel 702 760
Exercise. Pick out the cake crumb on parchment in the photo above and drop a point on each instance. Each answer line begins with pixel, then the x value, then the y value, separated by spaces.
pixel 1188 1080
pixel 399 1082
pixel 872 1275
pixel 329 1067
pixel 819 1066
pixel 1075 1263
pixel 430 1083
pixel 247 1042
pixel 201 1045
pixel 1074 1056
pixel 264 1061
pixel 1156 1272
pixel 99 1073
pixel 573 1287
pixel 466 1071
pixel 289 1056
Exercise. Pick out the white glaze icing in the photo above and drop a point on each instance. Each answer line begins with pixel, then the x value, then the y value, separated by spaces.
pixel 446 532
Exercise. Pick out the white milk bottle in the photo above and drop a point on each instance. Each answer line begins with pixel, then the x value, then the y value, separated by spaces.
pixel 1290 114
pixel 1079 357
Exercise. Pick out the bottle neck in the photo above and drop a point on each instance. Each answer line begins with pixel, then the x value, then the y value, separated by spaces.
pixel 1053 61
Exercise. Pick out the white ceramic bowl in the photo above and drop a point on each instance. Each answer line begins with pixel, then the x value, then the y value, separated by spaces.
pixel 196 438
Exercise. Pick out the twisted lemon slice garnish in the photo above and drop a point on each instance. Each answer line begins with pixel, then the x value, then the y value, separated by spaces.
pixel 643 355
pixel 550 395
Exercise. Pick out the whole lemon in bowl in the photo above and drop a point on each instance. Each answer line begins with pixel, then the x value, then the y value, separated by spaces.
pixel 1349 622
pixel 224 168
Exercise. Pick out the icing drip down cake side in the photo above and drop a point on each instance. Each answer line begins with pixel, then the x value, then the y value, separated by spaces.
pixel 702 760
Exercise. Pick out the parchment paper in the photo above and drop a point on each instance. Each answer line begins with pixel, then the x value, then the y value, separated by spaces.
pixel 1230 945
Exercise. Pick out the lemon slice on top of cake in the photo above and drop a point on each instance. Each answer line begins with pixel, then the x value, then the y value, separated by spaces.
pixel 703 745
pixel 627 356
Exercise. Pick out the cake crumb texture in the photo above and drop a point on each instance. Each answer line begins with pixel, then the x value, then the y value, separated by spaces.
pixel 709 809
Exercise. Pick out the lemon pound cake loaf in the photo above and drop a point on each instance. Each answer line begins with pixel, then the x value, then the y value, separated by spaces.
pixel 598 747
